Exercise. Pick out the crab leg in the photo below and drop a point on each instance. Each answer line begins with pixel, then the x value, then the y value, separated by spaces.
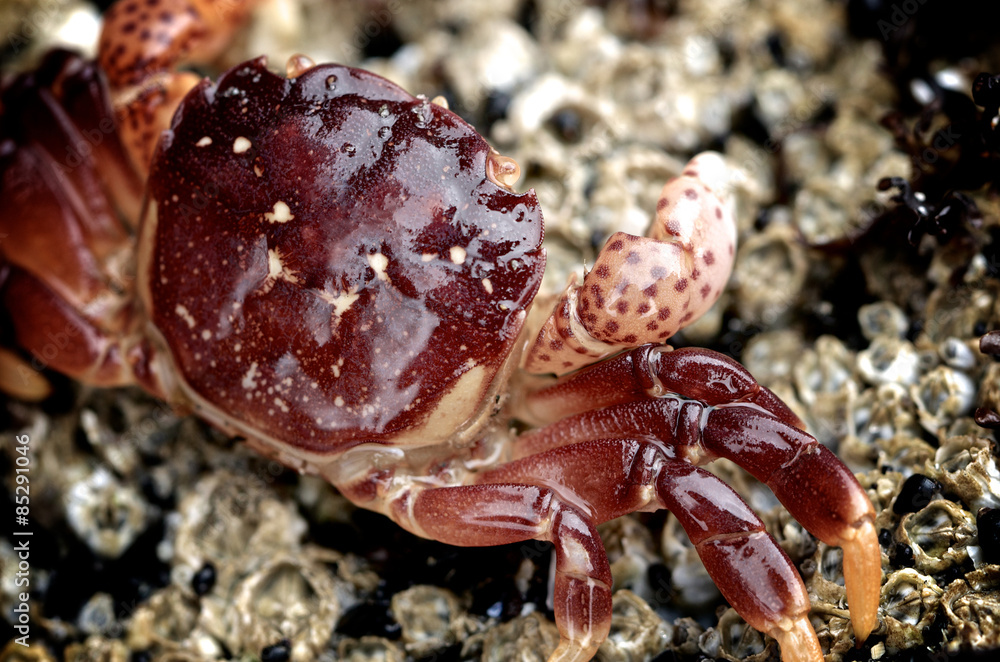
pixel 618 476
pixel 562 494
pixel 818 490
pixel 652 371
pixel 497 514
pixel 59 337
pixel 745 423
pixel 63 176
pixel 61 166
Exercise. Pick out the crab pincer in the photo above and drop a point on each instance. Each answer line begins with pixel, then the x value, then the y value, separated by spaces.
pixel 644 289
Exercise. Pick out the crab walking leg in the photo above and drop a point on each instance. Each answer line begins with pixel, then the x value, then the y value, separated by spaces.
pixel 644 289
pixel 612 477
pixel 497 514
pixel 818 490
pixel 61 338
pixel 64 247
pixel 671 420
pixel 58 221
pixel 753 573
pixel 815 487
pixel 652 371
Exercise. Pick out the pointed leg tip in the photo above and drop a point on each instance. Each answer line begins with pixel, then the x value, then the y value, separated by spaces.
pixel 798 641
pixel 863 578
pixel 568 651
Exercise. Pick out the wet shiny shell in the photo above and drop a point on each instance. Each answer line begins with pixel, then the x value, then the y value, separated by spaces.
pixel 326 258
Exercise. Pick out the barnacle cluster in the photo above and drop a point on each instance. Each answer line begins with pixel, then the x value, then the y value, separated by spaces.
pixel 875 320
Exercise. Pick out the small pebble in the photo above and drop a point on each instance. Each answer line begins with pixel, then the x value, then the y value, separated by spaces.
pixel 902 556
pixel 279 652
pixel 988 524
pixel 203 580
pixel 916 492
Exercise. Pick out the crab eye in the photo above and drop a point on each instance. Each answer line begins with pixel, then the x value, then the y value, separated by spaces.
pixel 502 170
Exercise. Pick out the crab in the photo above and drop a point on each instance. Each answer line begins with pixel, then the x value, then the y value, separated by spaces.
pixel 342 274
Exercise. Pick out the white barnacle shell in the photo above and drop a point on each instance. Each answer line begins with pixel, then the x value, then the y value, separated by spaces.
pixel 882 318
pixel 291 596
pixel 428 617
pixel 939 535
pixel 105 513
pixel 965 466
pixel 909 602
pixel 957 354
pixel 889 360
pixel 941 396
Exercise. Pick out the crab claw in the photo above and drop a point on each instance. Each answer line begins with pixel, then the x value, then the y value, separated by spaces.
pixel 644 289
pixel 140 49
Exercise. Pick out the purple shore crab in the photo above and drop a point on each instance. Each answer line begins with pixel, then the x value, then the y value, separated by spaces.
pixel 342 274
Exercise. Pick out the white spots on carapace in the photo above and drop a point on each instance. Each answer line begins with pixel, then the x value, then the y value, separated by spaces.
pixel 337 366
pixel 241 145
pixel 341 301
pixel 280 214
pixel 378 263
pixel 206 335
pixel 427 257
pixel 338 401
pixel 457 254
pixel 204 142
pixel 281 404
pixel 249 379
pixel 183 313
pixel 488 286
pixel 276 270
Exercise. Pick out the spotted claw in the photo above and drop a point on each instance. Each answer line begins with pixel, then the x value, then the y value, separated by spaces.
pixel 142 44
pixel 644 289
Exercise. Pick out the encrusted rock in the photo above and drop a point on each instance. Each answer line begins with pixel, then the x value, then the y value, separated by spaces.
pixel 637 632
pixel 105 513
pixel 528 638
